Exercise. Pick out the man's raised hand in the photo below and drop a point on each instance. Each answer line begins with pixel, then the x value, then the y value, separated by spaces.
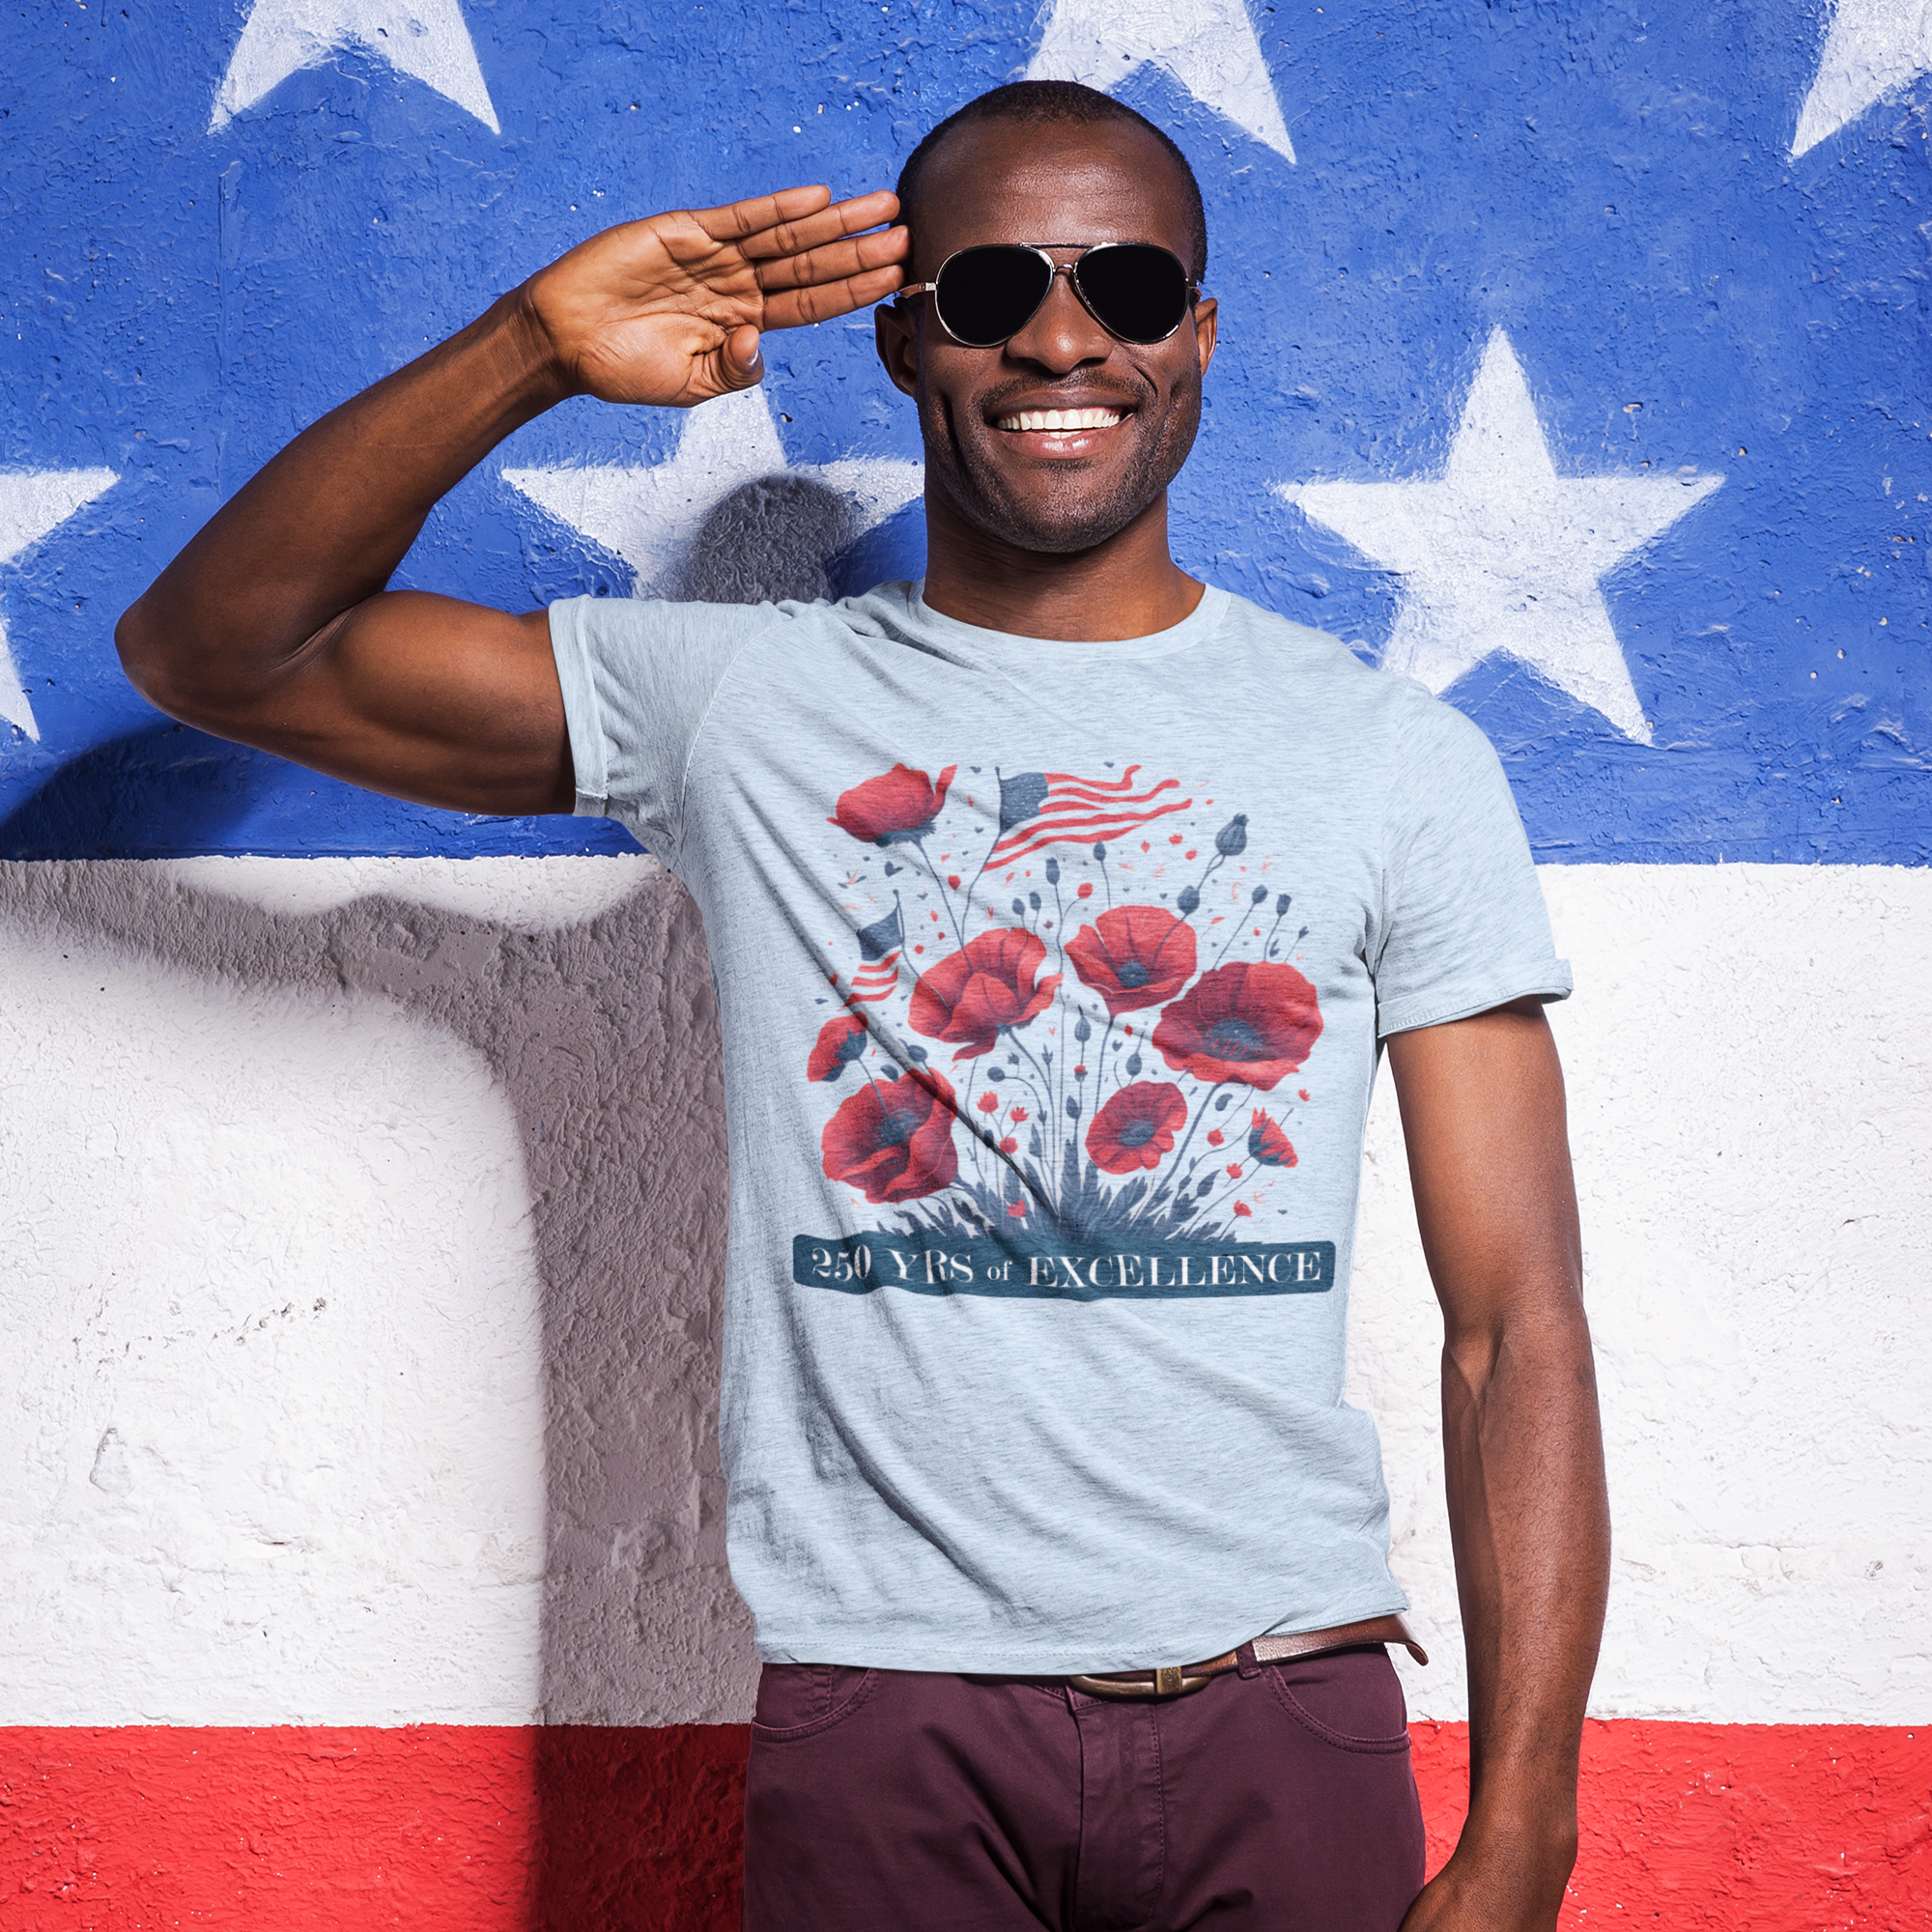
pixel 669 310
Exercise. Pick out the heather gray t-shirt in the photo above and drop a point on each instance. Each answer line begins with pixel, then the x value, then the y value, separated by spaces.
pixel 1052 979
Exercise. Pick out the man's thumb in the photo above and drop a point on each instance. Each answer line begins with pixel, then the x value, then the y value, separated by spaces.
pixel 743 365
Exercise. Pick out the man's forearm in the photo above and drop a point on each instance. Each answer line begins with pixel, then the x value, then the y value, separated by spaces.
pixel 1532 1531
pixel 323 524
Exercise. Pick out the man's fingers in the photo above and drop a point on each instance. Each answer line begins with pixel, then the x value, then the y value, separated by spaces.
pixel 738 219
pixel 827 224
pixel 795 308
pixel 835 262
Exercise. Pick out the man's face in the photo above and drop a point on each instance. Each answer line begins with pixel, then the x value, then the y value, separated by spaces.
pixel 1061 490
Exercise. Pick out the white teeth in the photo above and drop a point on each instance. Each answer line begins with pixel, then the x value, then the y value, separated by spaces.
pixel 1060 419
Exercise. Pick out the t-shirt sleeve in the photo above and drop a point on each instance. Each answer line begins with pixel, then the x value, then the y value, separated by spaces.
pixel 637 680
pixel 1463 926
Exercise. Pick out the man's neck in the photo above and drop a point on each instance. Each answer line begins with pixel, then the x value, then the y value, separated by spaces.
pixel 1126 587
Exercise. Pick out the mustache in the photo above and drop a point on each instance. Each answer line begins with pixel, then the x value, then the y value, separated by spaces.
pixel 1093 395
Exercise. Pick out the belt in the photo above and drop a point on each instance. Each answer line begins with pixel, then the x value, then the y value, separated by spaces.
pixel 1177 1680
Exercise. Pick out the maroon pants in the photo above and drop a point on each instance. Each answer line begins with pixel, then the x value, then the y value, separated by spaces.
pixel 1276 1800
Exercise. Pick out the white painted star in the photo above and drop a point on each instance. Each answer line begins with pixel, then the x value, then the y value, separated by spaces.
pixel 1874 48
pixel 1208 47
pixel 32 502
pixel 424 38
pixel 649 515
pixel 1502 553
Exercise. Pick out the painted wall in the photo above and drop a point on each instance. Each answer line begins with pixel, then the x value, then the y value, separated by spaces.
pixel 361 1167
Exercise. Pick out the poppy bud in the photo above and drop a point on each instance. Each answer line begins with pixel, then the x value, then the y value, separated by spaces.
pixel 1099 851
pixel 992 1072
pixel 1032 900
pixel 1019 908
pixel 1072 1108
pixel 1082 1032
pixel 1053 871
pixel 1261 893
pixel 1189 899
pixel 915 1052
pixel 1135 1063
pixel 1232 840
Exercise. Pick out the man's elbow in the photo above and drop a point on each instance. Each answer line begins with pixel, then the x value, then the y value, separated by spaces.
pixel 143 653
pixel 153 663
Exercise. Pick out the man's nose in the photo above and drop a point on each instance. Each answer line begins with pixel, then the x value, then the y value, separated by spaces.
pixel 1061 335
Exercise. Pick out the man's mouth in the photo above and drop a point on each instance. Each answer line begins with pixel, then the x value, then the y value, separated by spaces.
pixel 1061 421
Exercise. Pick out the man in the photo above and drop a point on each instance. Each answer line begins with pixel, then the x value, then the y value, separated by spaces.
pixel 1058 907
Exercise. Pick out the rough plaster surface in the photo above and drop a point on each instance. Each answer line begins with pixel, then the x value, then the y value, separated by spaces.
pixel 476 1108
pixel 1752 1120
pixel 494 1148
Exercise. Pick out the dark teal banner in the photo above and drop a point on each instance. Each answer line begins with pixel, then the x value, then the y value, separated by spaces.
pixel 1029 1266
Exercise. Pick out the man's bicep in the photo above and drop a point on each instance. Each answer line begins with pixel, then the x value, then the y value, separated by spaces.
pixel 433 699
pixel 1488 1154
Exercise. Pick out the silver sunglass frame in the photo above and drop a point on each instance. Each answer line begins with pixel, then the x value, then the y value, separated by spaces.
pixel 1070 270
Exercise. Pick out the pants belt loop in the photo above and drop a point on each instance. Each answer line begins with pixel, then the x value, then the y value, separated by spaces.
pixel 1245 1662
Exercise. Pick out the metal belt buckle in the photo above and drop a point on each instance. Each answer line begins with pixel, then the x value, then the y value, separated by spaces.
pixel 1166 1681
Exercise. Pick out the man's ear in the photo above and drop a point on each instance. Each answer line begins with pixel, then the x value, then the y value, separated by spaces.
pixel 1207 311
pixel 895 333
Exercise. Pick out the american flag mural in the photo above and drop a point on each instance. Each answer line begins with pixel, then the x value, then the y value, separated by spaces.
pixel 361 1174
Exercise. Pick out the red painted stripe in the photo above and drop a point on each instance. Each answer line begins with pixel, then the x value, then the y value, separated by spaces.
pixel 1692 1828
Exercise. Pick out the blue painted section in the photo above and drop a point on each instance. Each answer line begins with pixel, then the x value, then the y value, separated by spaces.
pixel 1610 184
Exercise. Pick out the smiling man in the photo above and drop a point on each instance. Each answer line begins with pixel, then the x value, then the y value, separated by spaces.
pixel 1060 908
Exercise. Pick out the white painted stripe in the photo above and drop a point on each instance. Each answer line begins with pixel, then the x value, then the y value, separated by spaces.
pixel 431 1095
pixel 1752 1118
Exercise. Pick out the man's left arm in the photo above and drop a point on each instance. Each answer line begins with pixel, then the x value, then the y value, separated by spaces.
pixel 1483 1112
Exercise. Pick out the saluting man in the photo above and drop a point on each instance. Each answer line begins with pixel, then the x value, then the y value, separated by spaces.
pixel 1060 907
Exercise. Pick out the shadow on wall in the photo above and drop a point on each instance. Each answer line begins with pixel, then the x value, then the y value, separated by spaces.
pixel 604 1038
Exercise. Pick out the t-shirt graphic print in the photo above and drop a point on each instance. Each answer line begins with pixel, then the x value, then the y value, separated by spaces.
pixel 1111 965
pixel 1052 977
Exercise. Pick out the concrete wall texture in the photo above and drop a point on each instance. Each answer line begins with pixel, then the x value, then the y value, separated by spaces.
pixel 362 1167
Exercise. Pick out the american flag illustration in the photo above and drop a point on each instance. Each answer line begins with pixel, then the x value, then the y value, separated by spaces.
pixel 880 944
pixel 1043 809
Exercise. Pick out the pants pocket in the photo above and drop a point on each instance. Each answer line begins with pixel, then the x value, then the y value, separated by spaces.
pixel 803 1700
pixel 1349 1698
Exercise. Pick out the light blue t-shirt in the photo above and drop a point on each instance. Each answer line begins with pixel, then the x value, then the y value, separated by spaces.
pixel 1052 980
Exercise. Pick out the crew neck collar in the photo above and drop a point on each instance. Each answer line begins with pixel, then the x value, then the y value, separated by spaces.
pixel 1010 649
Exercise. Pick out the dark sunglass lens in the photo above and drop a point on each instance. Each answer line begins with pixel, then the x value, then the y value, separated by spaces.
pixel 985 295
pixel 1137 291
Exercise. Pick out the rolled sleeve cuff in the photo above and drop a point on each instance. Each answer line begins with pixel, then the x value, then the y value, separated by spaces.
pixel 1437 1006
pixel 582 714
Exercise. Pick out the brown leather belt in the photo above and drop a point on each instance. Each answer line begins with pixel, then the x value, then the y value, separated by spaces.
pixel 1176 1681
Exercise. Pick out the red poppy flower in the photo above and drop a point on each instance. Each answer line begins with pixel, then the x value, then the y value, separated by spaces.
pixel 1017 1115
pixel 1267 1143
pixel 1250 1023
pixel 989 986
pixel 1134 956
pixel 989 1103
pixel 1017 1208
pixel 897 805
pixel 1243 1208
pixel 839 1043
pixel 1234 1170
pixel 893 1140
pixel 1214 1137
pixel 1009 1145
pixel 1136 1127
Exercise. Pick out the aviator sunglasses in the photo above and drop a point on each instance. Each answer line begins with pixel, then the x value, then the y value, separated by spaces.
pixel 1134 289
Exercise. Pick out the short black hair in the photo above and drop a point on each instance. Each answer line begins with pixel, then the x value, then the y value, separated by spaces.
pixel 1040 103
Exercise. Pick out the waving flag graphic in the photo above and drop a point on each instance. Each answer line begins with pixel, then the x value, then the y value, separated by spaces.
pixel 361 1178
pixel 1043 809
